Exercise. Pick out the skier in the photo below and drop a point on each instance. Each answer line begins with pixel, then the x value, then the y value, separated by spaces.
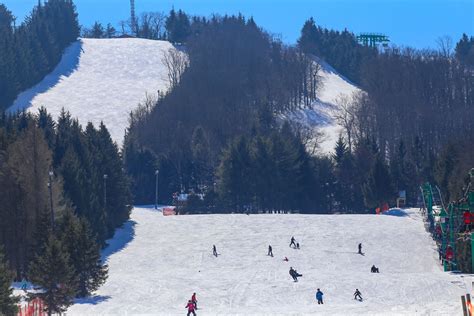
pixel 270 251
pixel 374 269
pixel 214 250
pixel 293 242
pixel 194 300
pixel 286 259
pixel 191 308
pixel 294 274
pixel 357 294
pixel 360 249
pixel 319 296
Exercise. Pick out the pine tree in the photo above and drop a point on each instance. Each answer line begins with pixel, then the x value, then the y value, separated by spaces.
pixel 7 300
pixel 53 271
pixel 378 189
pixel 84 252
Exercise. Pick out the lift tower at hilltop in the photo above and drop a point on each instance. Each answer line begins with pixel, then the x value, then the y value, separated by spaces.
pixel 133 20
pixel 373 39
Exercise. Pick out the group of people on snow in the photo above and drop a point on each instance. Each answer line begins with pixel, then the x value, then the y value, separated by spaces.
pixel 192 303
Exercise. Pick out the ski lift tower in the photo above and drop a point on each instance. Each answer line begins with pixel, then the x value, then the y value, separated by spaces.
pixel 373 39
pixel 133 20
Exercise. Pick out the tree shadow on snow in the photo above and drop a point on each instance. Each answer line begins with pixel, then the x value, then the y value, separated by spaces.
pixel 68 64
pixel 93 300
pixel 122 237
pixel 395 212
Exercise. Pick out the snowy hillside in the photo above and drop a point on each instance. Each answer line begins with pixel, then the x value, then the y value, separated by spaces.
pixel 157 262
pixel 101 80
pixel 320 116
pixel 104 79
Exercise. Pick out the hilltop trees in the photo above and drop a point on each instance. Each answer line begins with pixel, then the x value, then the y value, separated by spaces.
pixel 340 49
pixel 31 50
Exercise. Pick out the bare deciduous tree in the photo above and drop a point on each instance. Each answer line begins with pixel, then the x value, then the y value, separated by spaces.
pixel 176 63
pixel 310 136
pixel 445 44
pixel 345 114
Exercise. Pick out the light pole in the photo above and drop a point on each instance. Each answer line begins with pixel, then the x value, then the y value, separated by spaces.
pixel 156 188
pixel 105 190
pixel 50 186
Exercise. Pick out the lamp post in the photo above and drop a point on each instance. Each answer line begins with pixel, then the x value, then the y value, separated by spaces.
pixel 50 186
pixel 105 190
pixel 156 188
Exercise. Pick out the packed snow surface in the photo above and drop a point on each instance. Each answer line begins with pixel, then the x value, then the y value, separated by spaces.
pixel 157 262
pixel 101 80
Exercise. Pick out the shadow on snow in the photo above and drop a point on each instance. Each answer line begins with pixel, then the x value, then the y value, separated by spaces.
pixel 68 64
pixel 93 300
pixel 122 237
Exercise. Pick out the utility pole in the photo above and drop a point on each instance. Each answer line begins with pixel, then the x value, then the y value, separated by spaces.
pixel 50 186
pixel 105 190
pixel 156 188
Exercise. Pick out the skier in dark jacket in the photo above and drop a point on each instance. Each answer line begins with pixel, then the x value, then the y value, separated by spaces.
pixel 374 269
pixel 294 274
pixel 357 294
pixel 360 248
pixel 293 242
pixel 191 308
pixel 319 296
pixel 214 250
pixel 270 251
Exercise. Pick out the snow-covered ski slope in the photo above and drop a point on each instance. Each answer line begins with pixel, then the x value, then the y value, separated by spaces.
pixel 104 79
pixel 321 114
pixel 101 80
pixel 157 262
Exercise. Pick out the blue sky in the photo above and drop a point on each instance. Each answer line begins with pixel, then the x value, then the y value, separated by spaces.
pixel 417 23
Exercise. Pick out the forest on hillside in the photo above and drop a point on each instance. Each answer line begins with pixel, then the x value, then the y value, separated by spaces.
pixel 218 132
pixel 31 50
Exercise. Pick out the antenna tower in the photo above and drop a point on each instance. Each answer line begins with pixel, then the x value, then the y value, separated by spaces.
pixel 132 16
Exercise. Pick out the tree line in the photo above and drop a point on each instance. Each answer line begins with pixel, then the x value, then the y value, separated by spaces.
pixel 31 50
pixel 64 192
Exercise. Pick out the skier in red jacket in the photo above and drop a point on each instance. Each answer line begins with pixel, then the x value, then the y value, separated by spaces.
pixel 194 300
pixel 191 308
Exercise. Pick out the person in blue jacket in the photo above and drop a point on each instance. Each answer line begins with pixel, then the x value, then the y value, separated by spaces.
pixel 319 296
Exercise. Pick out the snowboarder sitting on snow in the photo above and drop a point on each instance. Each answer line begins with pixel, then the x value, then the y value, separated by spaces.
pixel 293 242
pixel 319 296
pixel 357 294
pixel 286 259
pixel 360 249
pixel 214 250
pixel 194 300
pixel 374 269
pixel 294 274
pixel 191 308
pixel 270 251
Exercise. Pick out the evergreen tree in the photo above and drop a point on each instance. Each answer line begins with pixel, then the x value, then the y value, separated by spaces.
pixel 84 253
pixel 378 188
pixel 53 271
pixel 7 300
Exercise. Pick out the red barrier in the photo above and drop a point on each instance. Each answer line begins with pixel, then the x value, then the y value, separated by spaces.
pixel 167 211
pixel 34 307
